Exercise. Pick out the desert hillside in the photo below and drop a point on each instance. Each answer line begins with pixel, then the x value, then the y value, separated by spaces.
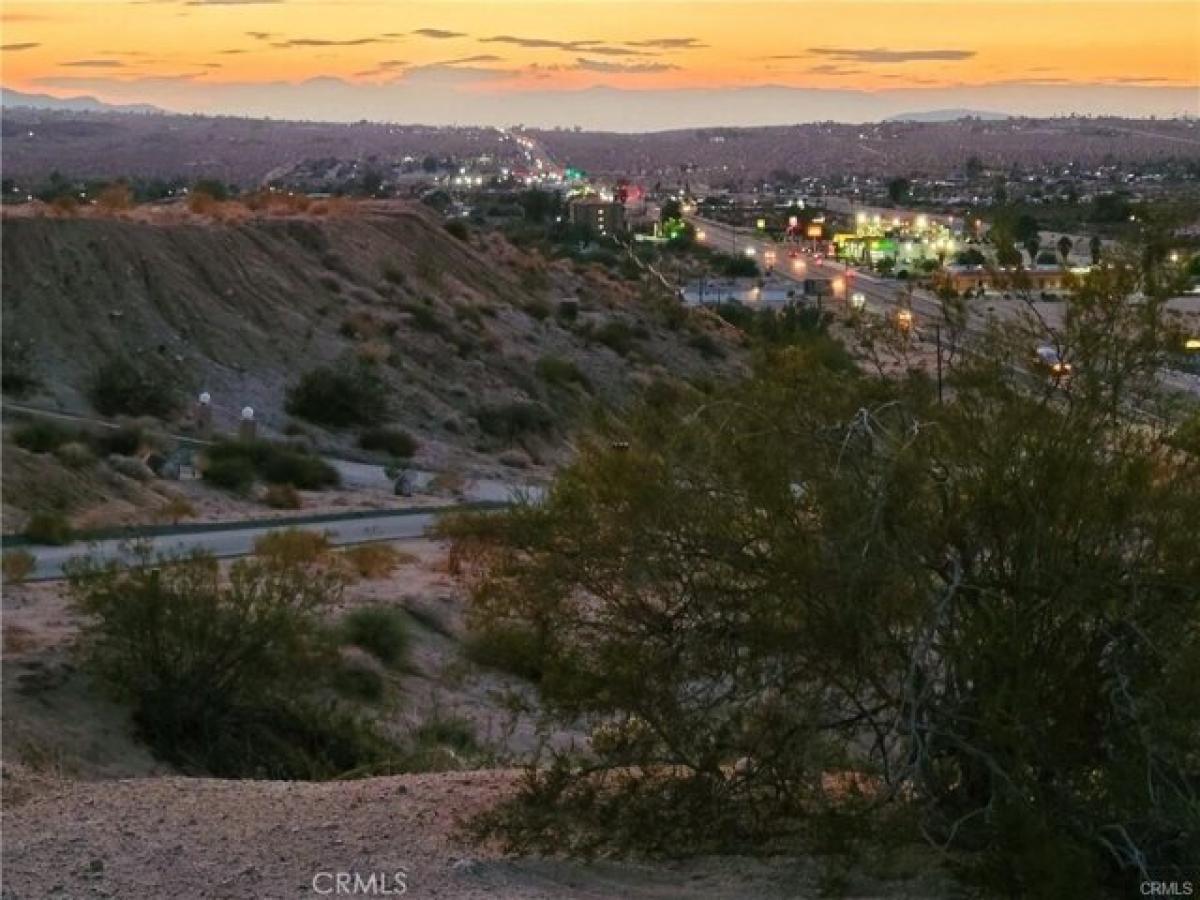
pixel 241 306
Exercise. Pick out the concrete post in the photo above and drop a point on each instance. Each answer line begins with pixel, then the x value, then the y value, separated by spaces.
pixel 248 428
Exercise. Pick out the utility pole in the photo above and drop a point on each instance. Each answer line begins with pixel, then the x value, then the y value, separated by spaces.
pixel 937 333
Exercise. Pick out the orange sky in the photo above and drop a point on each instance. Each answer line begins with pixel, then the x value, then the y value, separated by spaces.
pixel 151 47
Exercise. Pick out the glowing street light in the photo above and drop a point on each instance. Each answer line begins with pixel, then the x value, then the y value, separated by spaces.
pixel 798 266
pixel 701 235
pixel 904 318
pixel 839 287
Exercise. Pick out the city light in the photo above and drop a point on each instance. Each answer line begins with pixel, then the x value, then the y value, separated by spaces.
pixel 798 266
pixel 701 235
pixel 839 287
pixel 904 318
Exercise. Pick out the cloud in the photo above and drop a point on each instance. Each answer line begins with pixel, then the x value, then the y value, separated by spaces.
pixel 600 65
pixel 593 46
pixel 669 43
pixel 228 2
pixel 13 48
pixel 328 42
pixel 383 68
pixel 881 55
pixel 439 34
pixel 466 60
pixel 261 35
pixel 233 51
pixel 94 63
pixel 831 69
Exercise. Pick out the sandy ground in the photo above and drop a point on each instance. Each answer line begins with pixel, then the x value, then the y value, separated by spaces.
pixel 88 812
pixel 200 838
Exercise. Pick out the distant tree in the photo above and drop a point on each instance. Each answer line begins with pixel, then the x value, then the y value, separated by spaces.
pixel 672 209
pixel 1064 248
pixel 1026 227
pixel 1007 254
pixel 429 164
pixel 1031 245
pixel 372 183
pixel 218 190
pixel 1094 246
pixel 973 168
pixel 1000 192
pixel 970 257
pixel 899 189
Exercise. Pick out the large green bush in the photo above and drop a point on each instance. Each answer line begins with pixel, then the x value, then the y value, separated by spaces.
pixel 514 420
pixel 234 465
pixel 823 602
pixel 392 441
pixel 341 396
pixel 142 387
pixel 221 672
pixel 380 630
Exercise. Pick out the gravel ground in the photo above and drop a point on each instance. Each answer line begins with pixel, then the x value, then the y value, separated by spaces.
pixel 201 838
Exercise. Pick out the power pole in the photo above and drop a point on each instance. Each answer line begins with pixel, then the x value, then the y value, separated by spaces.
pixel 937 332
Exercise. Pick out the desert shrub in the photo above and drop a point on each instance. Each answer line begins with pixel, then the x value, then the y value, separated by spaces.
pixel 17 376
pixel 459 229
pixel 373 560
pixel 516 419
pixel 394 274
pixel 340 396
pixel 175 509
pixel 706 344
pixel 537 308
pixel 282 496
pixel 238 463
pixel 447 731
pixel 559 372
pixel 115 197
pixel 392 441
pixel 382 631
pixel 130 467
pixel 358 679
pixel 291 547
pixel 122 386
pixel 75 455
pixel 40 436
pixel 822 599
pixel 617 335
pixel 219 671
pixel 126 440
pixel 231 473
pixel 17 566
pixel 515 649
pixel 51 528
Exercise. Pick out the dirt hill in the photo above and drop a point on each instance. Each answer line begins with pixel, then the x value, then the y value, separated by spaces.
pixel 242 306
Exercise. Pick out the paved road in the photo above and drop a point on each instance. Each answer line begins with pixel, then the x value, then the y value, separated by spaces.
pixel 354 474
pixel 237 539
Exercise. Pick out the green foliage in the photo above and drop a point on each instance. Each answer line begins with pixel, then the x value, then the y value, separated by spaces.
pixel 342 396
pixel 618 335
pixel 459 229
pixel 51 528
pixel 392 441
pixel 219 671
pixel 380 630
pixel 143 387
pixel 735 266
pixel 559 372
pixel 358 680
pixel 40 436
pixel 234 465
pixel 282 496
pixel 514 420
pixel 509 648
pixel 821 601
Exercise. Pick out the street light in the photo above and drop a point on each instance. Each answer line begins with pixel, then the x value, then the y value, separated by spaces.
pixel 839 287
pixel 904 318
pixel 701 235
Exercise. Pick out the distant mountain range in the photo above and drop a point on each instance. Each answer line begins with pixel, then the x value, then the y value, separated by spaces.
pixel 11 98
pixel 949 115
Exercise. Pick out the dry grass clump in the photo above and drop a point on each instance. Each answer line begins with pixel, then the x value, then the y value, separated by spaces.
pixel 17 566
pixel 293 547
pixel 375 560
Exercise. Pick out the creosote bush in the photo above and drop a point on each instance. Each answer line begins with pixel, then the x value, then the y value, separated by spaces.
pixel 222 671
pixel 127 387
pixel 234 465
pixel 17 566
pixel 52 528
pixel 392 441
pixel 342 396
pixel 820 602
pixel 380 630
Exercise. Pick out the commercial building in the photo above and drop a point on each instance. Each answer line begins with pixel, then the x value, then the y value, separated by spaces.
pixel 599 216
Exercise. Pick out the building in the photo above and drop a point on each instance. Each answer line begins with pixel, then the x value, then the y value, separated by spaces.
pixel 1036 278
pixel 601 217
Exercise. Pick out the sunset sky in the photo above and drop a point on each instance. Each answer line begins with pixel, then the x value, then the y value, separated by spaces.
pixel 630 64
